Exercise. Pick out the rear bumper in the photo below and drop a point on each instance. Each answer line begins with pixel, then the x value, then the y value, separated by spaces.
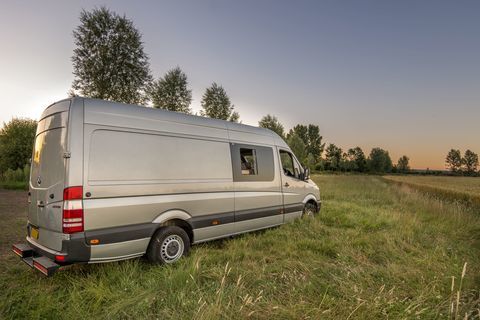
pixel 34 260
pixel 74 250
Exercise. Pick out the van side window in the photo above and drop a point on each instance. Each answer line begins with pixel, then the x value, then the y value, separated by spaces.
pixel 297 167
pixel 287 163
pixel 252 162
pixel 248 158
pixel 290 166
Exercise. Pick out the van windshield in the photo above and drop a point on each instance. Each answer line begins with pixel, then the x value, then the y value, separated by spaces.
pixel 48 164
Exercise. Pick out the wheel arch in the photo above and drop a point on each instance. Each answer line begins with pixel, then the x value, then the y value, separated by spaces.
pixel 310 198
pixel 177 218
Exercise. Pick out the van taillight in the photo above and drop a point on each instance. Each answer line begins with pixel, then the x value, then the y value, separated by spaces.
pixel 72 210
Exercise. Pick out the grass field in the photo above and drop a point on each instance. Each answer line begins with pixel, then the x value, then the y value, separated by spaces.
pixel 14 185
pixel 460 189
pixel 376 250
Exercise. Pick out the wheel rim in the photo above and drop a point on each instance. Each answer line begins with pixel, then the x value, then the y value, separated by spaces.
pixel 309 211
pixel 172 248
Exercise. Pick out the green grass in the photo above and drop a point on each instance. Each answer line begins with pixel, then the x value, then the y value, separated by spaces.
pixel 14 185
pixel 377 250
pixel 457 189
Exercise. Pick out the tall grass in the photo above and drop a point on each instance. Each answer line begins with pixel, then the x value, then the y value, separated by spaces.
pixel 376 250
pixel 463 190
pixel 15 179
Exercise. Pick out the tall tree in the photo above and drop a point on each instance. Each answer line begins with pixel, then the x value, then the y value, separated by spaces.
pixel 16 143
pixel 108 61
pixel 311 137
pixel 272 123
pixel 315 146
pixel 171 92
pixel 379 161
pixel 453 161
pixel 298 147
pixel 333 157
pixel 301 131
pixel 216 104
pixel 470 161
pixel 402 164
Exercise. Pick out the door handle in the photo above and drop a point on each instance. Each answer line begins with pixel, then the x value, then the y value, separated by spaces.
pixel 286 185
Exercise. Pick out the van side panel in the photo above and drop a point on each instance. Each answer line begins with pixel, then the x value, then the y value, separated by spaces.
pixel 138 166
pixel 121 211
pixel 120 157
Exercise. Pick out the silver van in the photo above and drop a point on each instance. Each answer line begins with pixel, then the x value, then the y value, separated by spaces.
pixel 112 181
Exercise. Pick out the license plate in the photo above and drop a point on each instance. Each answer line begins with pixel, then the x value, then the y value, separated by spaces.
pixel 34 233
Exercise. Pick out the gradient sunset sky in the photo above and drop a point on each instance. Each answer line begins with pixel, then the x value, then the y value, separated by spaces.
pixel 401 75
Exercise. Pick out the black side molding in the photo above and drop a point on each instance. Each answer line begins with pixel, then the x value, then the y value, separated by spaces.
pixel 120 234
pixel 243 215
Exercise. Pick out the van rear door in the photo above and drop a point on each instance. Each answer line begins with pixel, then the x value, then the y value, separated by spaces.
pixel 47 177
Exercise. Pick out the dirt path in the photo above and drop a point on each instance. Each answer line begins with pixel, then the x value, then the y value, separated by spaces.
pixel 13 218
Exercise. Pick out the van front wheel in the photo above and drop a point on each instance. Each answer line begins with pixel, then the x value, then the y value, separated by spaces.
pixel 168 245
pixel 309 210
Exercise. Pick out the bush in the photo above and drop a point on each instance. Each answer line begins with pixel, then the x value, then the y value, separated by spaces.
pixel 15 179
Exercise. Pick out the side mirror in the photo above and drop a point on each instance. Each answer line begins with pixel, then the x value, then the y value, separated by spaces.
pixel 306 174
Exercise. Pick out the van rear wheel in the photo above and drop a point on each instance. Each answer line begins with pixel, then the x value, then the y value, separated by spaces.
pixel 168 245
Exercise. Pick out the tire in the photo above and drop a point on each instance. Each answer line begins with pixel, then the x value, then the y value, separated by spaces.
pixel 309 210
pixel 168 245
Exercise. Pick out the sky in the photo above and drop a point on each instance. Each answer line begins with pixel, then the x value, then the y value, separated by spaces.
pixel 400 75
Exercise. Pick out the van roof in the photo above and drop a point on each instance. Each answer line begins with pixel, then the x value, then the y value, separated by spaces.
pixel 132 110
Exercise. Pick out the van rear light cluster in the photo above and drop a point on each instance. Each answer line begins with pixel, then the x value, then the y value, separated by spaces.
pixel 72 210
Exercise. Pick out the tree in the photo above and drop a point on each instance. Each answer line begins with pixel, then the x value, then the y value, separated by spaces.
pixel 108 61
pixel 453 162
pixel 301 131
pixel 470 161
pixel 310 162
pixel 402 164
pixel 171 92
pixel 315 146
pixel 298 147
pixel 16 143
pixel 357 159
pixel 311 137
pixel 379 161
pixel 346 164
pixel 216 104
pixel 272 123
pixel 333 157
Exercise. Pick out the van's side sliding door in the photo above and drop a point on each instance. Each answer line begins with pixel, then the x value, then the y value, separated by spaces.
pixel 258 198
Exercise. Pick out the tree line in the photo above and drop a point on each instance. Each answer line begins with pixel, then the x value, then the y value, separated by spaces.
pixel 306 143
